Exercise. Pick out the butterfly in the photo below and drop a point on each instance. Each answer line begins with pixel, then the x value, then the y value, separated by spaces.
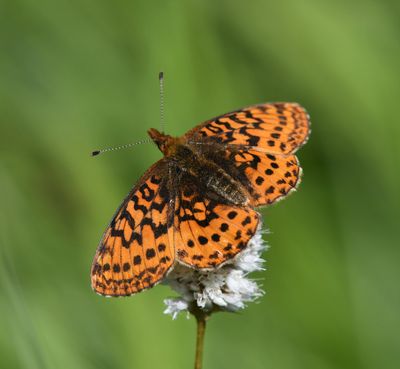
pixel 196 206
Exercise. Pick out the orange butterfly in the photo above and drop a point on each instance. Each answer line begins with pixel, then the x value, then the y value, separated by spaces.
pixel 196 205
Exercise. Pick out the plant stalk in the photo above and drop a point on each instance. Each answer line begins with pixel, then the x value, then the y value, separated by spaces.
pixel 201 328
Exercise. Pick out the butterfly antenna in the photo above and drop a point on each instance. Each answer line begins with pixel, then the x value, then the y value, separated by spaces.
pixel 161 80
pixel 98 152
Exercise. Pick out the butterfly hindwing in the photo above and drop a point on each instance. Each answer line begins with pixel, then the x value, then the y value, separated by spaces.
pixel 271 177
pixel 208 232
pixel 137 249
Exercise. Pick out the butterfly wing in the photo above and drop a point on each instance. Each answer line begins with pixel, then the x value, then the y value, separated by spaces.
pixel 209 232
pixel 152 225
pixel 275 128
pixel 137 249
pixel 260 141
pixel 271 177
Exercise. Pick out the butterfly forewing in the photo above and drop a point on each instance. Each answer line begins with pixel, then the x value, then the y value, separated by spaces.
pixel 276 128
pixel 137 248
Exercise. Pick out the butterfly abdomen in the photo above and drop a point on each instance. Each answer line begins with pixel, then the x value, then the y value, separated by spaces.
pixel 211 177
pixel 222 184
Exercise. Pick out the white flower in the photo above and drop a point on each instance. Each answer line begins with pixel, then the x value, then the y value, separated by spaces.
pixel 175 306
pixel 225 288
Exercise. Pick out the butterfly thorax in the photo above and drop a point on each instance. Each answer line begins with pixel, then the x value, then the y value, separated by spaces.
pixel 193 165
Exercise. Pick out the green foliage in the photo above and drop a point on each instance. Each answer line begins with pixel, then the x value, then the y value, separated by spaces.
pixel 79 75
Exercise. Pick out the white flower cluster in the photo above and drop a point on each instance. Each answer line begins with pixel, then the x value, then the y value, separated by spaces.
pixel 225 288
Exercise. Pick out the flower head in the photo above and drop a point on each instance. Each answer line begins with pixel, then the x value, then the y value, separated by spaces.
pixel 225 288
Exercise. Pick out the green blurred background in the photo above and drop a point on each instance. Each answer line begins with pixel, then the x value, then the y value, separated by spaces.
pixel 77 75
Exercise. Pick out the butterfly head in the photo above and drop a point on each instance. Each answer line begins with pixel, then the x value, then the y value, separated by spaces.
pixel 166 143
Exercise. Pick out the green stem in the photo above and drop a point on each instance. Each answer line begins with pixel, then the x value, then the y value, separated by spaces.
pixel 201 328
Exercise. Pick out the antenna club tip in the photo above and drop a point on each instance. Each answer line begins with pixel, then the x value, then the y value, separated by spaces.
pixel 161 75
pixel 95 153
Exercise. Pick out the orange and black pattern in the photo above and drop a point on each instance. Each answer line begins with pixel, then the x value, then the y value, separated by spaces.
pixel 277 128
pixel 210 232
pixel 272 177
pixel 196 206
pixel 137 248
